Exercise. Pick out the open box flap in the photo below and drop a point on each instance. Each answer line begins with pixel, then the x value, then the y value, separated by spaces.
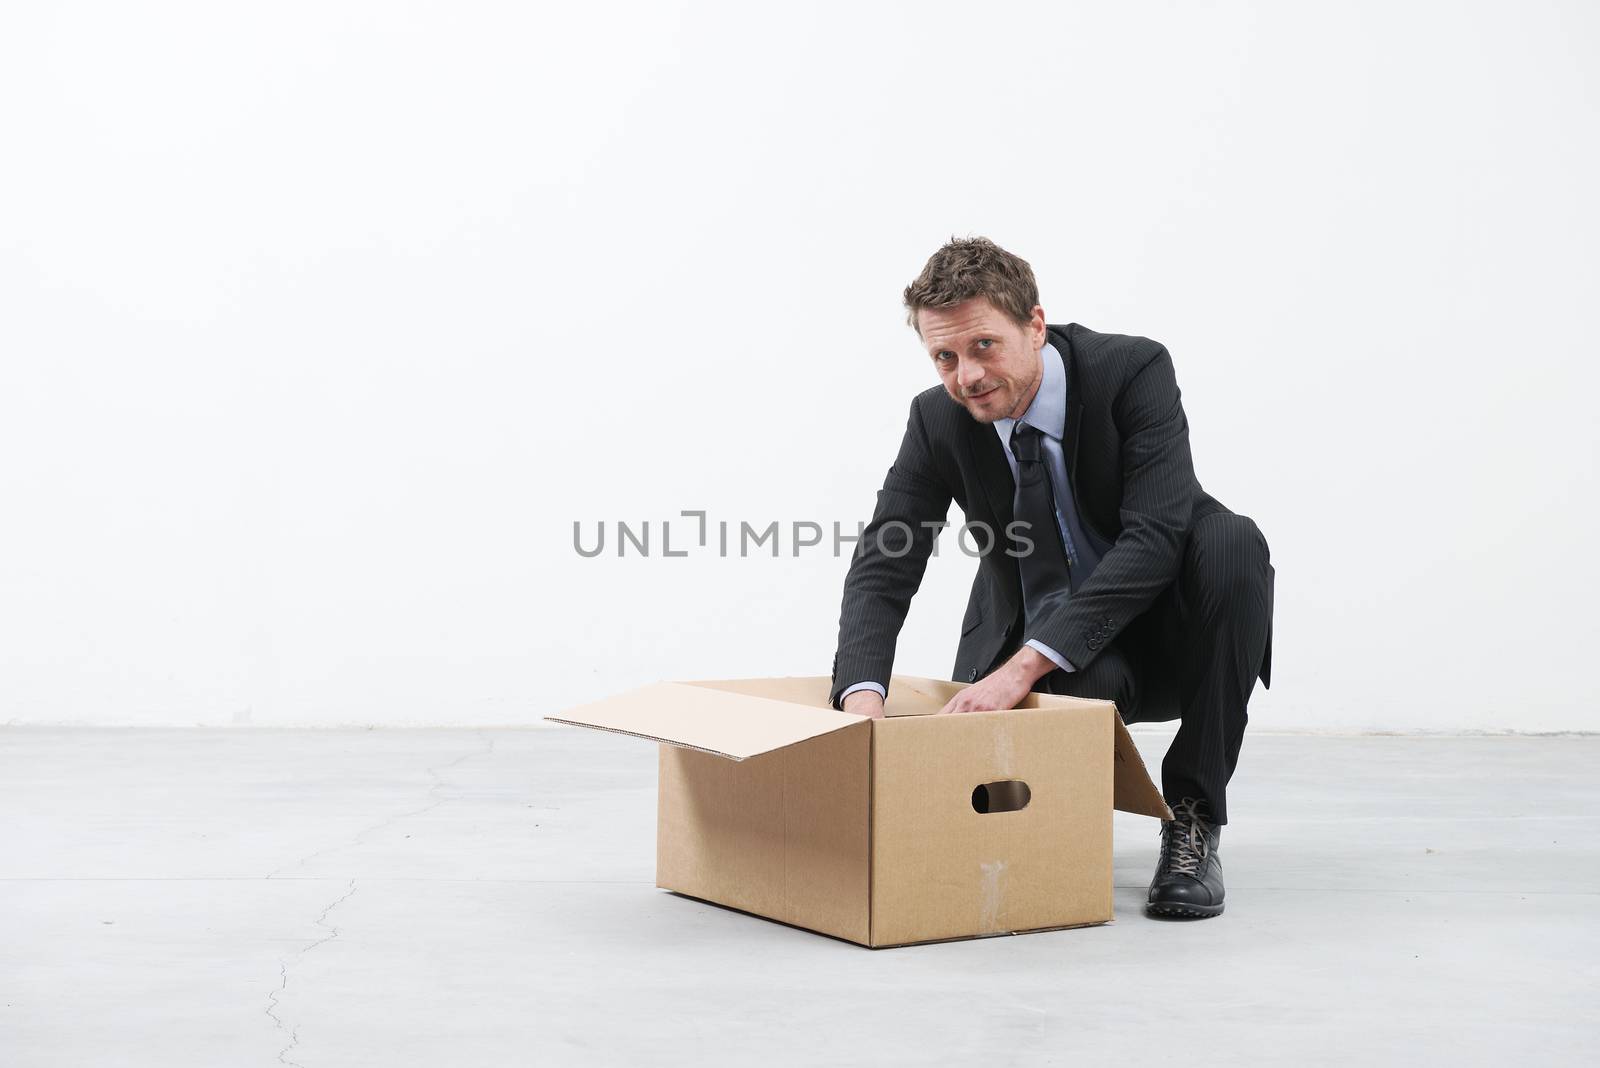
pixel 1132 790
pixel 728 724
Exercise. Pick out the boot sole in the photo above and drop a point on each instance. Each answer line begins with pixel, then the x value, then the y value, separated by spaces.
pixel 1188 912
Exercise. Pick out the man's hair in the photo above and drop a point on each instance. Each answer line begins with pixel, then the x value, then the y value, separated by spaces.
pixel 968 267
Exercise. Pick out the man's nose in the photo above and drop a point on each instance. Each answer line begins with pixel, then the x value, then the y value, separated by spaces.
pixel 968 374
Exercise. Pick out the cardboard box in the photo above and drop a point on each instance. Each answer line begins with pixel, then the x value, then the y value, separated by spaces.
pixel 913 828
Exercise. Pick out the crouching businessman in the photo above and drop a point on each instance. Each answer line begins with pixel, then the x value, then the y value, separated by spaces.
pixel 1110 572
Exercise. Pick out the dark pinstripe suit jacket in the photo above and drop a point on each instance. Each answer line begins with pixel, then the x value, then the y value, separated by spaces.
pixel 1126 445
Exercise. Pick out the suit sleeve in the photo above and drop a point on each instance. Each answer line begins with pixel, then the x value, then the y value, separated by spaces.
pixel 889 561
pixel 1158 493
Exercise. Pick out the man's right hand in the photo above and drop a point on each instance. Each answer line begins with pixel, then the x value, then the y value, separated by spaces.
pixel 864 703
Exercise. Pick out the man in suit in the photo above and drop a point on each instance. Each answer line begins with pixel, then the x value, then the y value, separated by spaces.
pixel 1106 571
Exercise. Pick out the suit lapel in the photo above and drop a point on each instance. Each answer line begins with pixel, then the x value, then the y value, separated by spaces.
pixel 989 459
pixel 1057 336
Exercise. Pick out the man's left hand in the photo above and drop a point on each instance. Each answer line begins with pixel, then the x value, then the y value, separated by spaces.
pixel 1006 686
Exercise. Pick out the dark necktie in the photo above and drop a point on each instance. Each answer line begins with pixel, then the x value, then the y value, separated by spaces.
pixel 1045 574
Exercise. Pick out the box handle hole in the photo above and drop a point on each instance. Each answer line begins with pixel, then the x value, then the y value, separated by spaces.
pixel 1007 795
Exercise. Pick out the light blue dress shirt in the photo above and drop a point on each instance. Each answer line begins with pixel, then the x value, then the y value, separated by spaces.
pixel 1047 413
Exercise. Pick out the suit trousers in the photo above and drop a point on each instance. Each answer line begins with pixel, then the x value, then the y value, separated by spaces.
pixel 1194 655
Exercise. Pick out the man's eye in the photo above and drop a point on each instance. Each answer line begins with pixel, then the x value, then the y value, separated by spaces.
pixel 984 342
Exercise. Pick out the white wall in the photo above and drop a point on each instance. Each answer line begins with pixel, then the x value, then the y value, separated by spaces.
pixel 323 323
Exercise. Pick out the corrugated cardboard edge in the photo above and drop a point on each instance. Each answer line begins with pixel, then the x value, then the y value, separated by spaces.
pixel 720 722
pixel 1132 788
pixel 869 944
pixel 993 934
pixel 872 822
pixel 687 896
pixel 637 734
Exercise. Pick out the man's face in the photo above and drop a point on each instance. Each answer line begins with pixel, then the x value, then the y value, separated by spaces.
pixel 988 363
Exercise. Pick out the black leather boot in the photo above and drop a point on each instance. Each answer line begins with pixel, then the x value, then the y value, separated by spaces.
pixel 1188 880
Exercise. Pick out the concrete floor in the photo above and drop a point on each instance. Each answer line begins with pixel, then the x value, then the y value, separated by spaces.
pixel 409 897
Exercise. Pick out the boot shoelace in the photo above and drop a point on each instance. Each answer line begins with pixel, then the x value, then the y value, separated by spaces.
pixel 1183 838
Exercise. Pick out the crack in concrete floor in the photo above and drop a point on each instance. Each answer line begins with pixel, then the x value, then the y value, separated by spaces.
pixel 283 965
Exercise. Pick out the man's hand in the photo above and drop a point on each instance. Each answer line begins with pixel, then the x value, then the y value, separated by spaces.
pixel 864 703
pixel 1005 687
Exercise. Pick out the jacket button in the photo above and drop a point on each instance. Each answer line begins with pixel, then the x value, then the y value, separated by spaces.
pixel 972 676
pixel 1094 643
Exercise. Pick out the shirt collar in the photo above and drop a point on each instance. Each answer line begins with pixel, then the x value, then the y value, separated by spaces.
pixel 1048 410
